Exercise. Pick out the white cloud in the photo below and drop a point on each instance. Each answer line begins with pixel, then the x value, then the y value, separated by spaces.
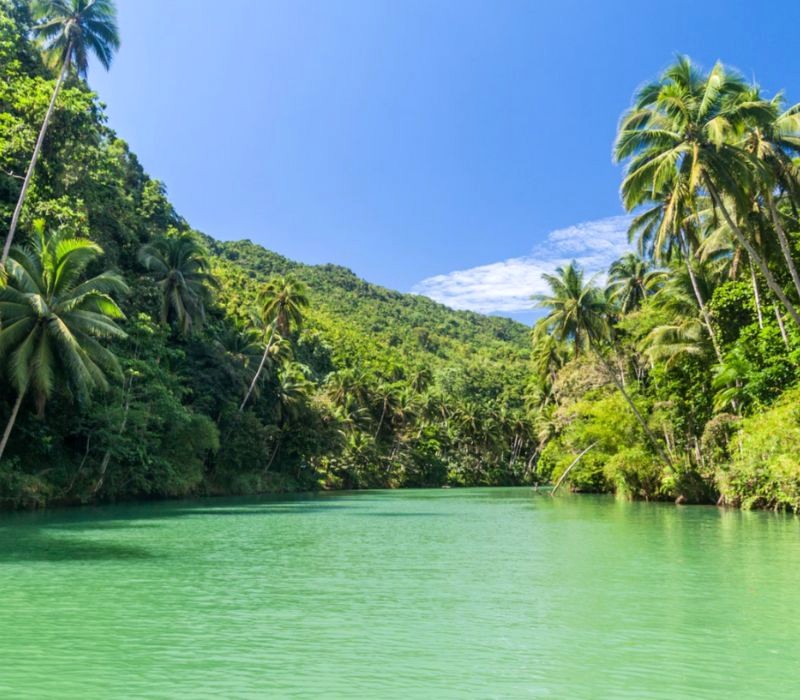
pixel 507 286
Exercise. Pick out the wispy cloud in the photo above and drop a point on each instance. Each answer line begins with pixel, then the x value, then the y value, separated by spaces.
pixel 507 286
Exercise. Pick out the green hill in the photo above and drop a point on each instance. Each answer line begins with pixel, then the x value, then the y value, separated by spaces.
pixel 378 388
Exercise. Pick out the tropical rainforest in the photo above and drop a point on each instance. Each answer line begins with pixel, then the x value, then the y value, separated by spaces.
pixel 143 359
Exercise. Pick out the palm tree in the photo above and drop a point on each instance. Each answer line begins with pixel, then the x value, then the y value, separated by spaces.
pixel 683 129
pixel 576 308
pixel 348 383
pixel 578 311
pixel 52 319
pixel 686 333
pixel 730 381
pixel 773 140
pixel 241 349
pixel 180 265
pixel 70 30
pixel 670 229
pixel 631 280
pixel 283 301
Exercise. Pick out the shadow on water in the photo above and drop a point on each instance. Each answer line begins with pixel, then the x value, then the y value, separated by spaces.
pixel 35 545
pixel 55 536
pixel 407 514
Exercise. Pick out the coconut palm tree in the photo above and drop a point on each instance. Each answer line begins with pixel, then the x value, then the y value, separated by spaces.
pixel 730 381
pixel 283 301
pixel 576 308
pixel 773 140
pixel 685 129
pixel 671 229
pixel 70 30
pixel 241 349
pixel 578 311
pixel 52 320
pixel 180 265
pixel 631 280
pixel 686 333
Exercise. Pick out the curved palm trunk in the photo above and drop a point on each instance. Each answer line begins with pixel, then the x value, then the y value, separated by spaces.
pixel 34 158
pixel 754 256
pixel 782 327
pixel 570 468
pixel 260 365
pixel 702 304
pixel 380 422
pixel 756 295
pixel 632 405
pixel 98 484
pixel 11 420
pixel 784 241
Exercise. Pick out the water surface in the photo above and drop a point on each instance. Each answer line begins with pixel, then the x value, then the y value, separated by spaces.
pixel 478 593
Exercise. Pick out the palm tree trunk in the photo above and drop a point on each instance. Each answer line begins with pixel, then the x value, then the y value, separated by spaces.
pixel 380 422
pixel 570 467
pixel 11 420
pixel 756 295
pixel 782 327
pixel 703 310
pixel 35 157
pixel 107 456
pixel 784 241
pixel 698 295
pixel 274 453
pixel 260 365
pixel 754 256
pixel 629 401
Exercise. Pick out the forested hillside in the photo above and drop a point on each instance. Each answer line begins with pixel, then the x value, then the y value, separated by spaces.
pixel 361 387
pixel 141 358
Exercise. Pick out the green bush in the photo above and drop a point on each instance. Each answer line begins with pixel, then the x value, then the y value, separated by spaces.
pixel 765 469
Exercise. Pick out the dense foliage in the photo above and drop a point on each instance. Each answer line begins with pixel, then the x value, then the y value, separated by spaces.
pixel 677 377
pixel 352 385
pixel 140 358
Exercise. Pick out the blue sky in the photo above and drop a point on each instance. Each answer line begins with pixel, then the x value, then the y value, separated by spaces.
pixel 455 148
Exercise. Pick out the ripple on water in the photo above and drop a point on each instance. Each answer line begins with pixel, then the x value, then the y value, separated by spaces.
pixel 477 593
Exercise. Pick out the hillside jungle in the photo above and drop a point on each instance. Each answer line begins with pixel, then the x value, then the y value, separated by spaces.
pixel 143 359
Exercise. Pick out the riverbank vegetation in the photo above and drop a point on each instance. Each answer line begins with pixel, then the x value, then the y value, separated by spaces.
pixel 679 368
pixel 141 358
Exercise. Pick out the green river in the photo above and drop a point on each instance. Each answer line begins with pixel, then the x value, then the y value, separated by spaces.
pixel 477 593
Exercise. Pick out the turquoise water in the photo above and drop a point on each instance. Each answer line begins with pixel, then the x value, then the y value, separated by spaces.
pixel 479 593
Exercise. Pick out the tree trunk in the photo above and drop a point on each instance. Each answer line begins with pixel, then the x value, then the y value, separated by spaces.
pixel 754 256
pixel 260 365
pixel 700 301
pixel 782 327
pixel 380 422
pixel 570 467
pixel 784 241
pixel 629 401
pixel 11 420
pixel 107 456
pixel 274 453
pixel 35 157
pixel 756 295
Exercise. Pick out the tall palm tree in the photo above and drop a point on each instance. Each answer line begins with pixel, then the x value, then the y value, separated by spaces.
pixel 773 140
pixel 576 308
pixel 181 268
pixel 631 279
pixel 685 333
pixel 283 301
pixel 671 229
pixel 578 311
pixel 685 129
pixel 52 319
pixel 70 31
